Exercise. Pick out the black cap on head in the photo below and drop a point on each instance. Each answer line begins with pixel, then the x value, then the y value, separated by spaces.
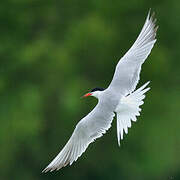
pixel 97 89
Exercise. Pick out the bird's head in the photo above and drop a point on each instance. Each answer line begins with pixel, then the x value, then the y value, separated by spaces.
pixel 94 92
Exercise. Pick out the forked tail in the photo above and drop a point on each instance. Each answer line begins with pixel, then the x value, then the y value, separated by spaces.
pixel 128 109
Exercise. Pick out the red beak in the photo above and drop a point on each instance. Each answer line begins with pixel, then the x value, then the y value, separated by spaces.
pixel 86 95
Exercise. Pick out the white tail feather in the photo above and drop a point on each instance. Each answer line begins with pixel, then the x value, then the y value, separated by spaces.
pixel 128 109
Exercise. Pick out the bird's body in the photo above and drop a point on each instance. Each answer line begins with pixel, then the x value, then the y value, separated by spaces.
pixel 120 99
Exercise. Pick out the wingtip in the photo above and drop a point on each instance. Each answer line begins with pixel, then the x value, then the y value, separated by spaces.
pixel 151 17
pixel 45 170
pixel 149 12
pixel 49 169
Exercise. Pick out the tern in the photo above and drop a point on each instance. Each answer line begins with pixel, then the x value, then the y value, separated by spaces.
pixel 121 98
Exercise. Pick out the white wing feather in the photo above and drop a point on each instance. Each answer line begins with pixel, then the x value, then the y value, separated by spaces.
pixel 93 126
pixel 127 71
pixel 128 109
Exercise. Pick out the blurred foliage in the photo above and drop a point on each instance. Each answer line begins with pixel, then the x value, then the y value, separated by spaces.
pixel 51 53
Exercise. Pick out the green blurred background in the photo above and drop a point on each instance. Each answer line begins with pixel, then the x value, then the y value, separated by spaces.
pixel 51 53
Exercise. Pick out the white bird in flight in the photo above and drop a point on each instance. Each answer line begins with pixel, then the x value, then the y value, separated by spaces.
pixel 119 98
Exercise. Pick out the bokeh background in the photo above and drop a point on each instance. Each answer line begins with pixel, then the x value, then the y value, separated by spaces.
pixel 51 53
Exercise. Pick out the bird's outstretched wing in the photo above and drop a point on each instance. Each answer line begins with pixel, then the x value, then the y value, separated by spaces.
pixel 127 71
pixel 128 109
pixel 93 126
